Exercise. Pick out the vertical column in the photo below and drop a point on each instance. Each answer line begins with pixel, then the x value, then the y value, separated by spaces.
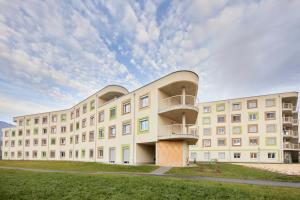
pixel 183 96
pixel 184 130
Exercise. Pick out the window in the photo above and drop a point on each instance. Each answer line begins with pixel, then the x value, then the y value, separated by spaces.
pixel 52 154
pixel 206 120
pixel 27 143
pixel 77 112
pixel 193 156
pixel 53 141
pixel 126 128
pixel 221 130
pixel 45 120
pixel 12 154
pixel 83 124
pixel 35 142
pixel 76 139
pixel 72 115
pixel 76 154
pixel 271 115
pixel 206 143
pixel 26 154
pixel 221 118
pixel 83 153
pixel 53 129
pixel 45 130
pixel 77 125
pixel 112 113
pixel 6 133
pixel 71 127
pixel 63 129
pixel 34 154
pixel 101 133
pixel 112 131
pixel 270 102
pixel 144 125
pixel 270 141
pixel 71 140
pixel 83 137
pixel 206 109
pixel 13 133
pixel 63 117
pixel 91 136
pixel 253 155
pixel 36 121
pixel 206 131
pixel 252 128
pixel 221 142
pixel 62 154
pixel 19 154
pixel 144 101
pixel 20 142
pixel 253 141
pixel 62 141
pixel 251 104
pixel 20 122
pixel 43 154
pixel 101 116
pixel 20 133
pixel 92 120
pixel 236 141
pixel 70 153
pixel 84 109
pixel 91 153
pixel 27 122
pixel 207 155
pixel 236 118
pixel 253 116
pixel 271 128
pixel 92 105
pixel 221 155
pixel 126 107
pixel 35 131
pixel 28 132
pixel 220 107
pixel 271 155
pixel 237 155
pixel 54 118
pixel 100 152
pixel 44 142
pixel 236 106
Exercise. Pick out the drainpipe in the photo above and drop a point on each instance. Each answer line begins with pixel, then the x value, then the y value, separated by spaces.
pixel 133 131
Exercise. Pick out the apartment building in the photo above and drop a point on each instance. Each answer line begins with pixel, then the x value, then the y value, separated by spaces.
pixel 153 124
pixel 252 129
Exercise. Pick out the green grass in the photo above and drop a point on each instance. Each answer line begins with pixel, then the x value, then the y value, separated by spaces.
pixel 16 184
pixel 226 170
pixel 77 166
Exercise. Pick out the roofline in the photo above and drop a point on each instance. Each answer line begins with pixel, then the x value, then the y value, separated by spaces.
pixel 249 97
pixel 110 86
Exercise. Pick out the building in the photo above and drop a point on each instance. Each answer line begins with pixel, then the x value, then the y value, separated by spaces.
pixel 153 124
pixel 251 129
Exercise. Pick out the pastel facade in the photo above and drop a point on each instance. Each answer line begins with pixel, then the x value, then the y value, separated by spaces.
pixel 153 124
pixel 252 129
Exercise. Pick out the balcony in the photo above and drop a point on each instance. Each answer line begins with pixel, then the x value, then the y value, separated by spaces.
pixel 173 107
pixel 290 133
pixel 289 120
pixel 291 146
pixel 187 132
pixel 287 107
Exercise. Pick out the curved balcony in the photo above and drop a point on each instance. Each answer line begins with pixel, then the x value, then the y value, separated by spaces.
pixel 290 134
pixel 173 107
pixel 188 132
pixel 291 146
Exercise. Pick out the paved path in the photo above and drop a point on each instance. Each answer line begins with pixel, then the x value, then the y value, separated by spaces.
pixel 161 170
pixel 226 180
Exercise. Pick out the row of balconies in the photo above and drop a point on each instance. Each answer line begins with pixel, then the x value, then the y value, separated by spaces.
pixel 291 146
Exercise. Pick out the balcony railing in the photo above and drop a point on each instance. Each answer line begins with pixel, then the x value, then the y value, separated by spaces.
pixel 287 106
pixel 292 146
pixel 177 101
pixel 290 133
pixel 287 119
pixel 295 121
pixel 179 131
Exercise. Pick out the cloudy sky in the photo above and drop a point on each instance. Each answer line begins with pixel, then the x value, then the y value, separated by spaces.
pixel 55 53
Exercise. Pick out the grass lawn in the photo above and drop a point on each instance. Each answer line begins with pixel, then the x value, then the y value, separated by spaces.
pixel 77 166
pixel 16 184
pixel 226 170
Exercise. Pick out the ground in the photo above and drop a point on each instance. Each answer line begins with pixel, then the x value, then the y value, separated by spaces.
pixel 289 169
pixel 227 170
pixel 36 185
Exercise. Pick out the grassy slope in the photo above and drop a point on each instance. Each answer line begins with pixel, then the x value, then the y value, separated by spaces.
pixel 77 166
pixel 33 185
pixel 227 170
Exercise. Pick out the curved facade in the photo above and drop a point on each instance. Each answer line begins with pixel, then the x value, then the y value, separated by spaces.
pixel 153 124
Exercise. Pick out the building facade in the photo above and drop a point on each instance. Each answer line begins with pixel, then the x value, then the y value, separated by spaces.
pixel 252 129
pixel 153 124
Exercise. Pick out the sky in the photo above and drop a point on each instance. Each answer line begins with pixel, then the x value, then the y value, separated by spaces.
pixel 53 54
